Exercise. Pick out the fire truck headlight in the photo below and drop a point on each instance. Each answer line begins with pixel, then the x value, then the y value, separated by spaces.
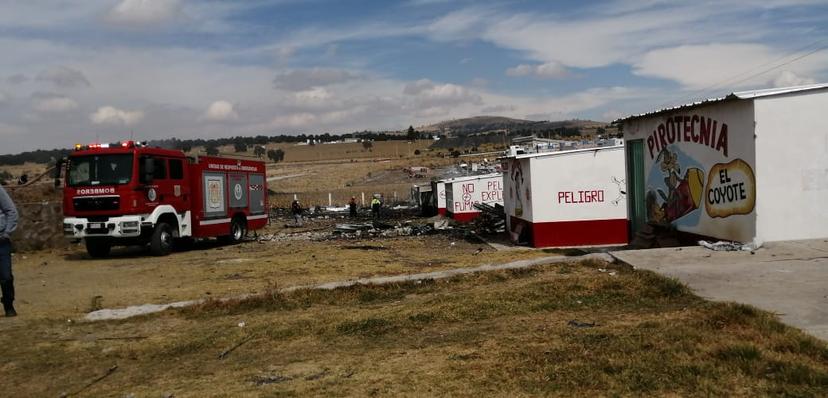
pixel 128 227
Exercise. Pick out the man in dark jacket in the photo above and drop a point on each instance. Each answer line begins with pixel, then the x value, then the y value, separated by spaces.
pixel 352 207
pixel 296 209
pixel 8 223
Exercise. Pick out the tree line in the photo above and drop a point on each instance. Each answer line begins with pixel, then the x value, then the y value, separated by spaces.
pixel 211 145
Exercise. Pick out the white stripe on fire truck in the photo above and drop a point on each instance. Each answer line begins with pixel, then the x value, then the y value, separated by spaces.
pixel 214 222
pixel 257 217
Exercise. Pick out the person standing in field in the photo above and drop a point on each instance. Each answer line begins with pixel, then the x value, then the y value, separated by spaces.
pixel 296 209
pixel 8 223
pixel 375 207
pixel 352 207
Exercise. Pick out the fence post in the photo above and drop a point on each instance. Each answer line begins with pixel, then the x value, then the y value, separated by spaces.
pixel 363 199
pixel 295 197
pixel 330 200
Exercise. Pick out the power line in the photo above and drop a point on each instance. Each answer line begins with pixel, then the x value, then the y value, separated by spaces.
pixel 729 80
pixel 780 65
pixel 726 80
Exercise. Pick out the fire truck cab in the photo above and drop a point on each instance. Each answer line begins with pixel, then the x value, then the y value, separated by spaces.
pixel 130 194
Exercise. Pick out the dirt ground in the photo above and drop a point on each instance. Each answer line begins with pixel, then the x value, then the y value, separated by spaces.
pixel 67 283
pixel 586 329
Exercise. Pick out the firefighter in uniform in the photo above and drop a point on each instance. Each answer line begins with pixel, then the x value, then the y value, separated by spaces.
pixel 375 207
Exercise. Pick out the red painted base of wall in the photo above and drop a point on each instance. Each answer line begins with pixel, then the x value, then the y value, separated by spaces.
pixel 575 233
pixel 463 217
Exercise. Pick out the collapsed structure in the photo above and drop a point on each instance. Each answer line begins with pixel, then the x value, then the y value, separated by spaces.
pixel 568 198
pixel 748 166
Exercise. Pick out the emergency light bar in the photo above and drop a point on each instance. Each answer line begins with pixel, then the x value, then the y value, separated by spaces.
pixel 124 144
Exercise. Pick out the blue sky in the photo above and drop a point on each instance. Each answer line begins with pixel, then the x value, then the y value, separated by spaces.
pixel 74 70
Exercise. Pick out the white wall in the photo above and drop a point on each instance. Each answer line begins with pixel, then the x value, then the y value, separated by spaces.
pixel 580 185
pixel 792 166
pixel 461 195
pixel 691 190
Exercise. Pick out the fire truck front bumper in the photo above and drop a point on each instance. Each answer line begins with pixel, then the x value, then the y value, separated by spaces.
pixel 115 227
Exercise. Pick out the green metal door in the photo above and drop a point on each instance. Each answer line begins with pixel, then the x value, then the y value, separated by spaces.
pixel 635 185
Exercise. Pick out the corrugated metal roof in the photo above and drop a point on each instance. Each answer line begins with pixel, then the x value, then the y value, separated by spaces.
pixel 739 95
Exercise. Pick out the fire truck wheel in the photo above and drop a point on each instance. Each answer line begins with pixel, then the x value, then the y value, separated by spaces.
pixel 98 248
pixel 237 230
pixel 162 240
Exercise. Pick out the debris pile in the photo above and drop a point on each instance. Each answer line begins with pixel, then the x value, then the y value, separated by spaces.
pixel 384 229
pixel 492 219
pixel 725 246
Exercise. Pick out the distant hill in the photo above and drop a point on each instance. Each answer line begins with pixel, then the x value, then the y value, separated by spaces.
pixel 478 130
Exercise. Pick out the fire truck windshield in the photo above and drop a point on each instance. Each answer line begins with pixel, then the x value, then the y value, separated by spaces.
pixel 99 170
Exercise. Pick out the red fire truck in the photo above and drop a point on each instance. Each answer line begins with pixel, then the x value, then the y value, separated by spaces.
pixel 130 194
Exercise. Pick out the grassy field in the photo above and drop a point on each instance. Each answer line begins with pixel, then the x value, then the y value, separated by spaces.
pixel 341 151
pixel 573 330
pixel 64 283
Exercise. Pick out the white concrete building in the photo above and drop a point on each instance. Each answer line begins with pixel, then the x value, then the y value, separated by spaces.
pixel 749 166
pixel 565 199
pixel 463 193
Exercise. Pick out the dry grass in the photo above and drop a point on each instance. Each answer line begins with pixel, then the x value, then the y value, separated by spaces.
pixel 501 333
pixel 312 181
pixel 62 283
pixel 32 169
pixel 341 151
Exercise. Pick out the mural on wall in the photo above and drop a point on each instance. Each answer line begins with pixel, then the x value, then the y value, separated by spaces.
pixel 731 189
pixel 516 174
pixel 620 184
pixel 672 194
pixel 697 178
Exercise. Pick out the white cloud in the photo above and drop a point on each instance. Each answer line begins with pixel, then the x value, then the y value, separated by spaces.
pixel 787 78
pixel 304 119
pixel 729 66
pixel 143 12
pixel 115 116
pixel 698 66
pixel 549 70
pixel 64 77
pixel 53 103
pixel 4 98
pixel 221 111
pixel 429 93
pixel 304 79
pixel 314 95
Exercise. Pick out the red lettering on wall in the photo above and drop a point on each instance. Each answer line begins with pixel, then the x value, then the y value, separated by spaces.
pixel 684 129
pixel 577 197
